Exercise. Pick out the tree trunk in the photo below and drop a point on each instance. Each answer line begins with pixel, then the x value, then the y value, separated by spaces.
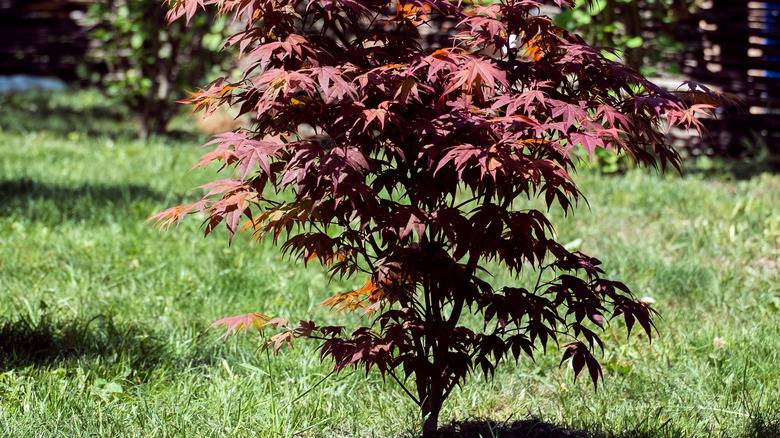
pixel 144 129
pixel 431 425
pixel 431 422
pixel 432 407
pixel 633 22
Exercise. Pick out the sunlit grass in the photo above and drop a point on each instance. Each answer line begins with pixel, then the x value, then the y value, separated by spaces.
pixel 103 318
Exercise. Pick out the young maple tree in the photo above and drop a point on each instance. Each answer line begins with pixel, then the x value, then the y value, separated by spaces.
pixel 404 163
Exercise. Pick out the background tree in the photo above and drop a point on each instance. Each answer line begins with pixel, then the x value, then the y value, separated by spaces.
pixel 408 166
pixel 147 64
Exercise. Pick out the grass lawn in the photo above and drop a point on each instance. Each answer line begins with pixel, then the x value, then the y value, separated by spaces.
pixel 103 319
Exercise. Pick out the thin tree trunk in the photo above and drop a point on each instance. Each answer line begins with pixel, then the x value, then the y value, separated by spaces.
pixel 431 409
pixel 636 55
pixel 431 425
pixel 145 129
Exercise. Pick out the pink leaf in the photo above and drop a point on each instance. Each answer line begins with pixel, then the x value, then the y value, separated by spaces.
pixel 236 323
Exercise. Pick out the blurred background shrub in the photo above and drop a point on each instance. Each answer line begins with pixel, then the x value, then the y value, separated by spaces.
pixel 144 63
pixel 648 34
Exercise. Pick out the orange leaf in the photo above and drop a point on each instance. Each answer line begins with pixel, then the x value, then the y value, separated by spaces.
pixel 168 217
pixel 349 300
pixel 358 299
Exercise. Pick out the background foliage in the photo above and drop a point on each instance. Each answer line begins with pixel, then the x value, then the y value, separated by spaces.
pixel 146 64
pixel 650 35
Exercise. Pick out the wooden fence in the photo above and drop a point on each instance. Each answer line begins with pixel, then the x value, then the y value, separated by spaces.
pixel 738 50
pixel 42 37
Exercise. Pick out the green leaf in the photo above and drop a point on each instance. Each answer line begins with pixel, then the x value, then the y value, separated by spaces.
pixel 136 40
pixel 113 388
pixel 582 17
pixel 634 42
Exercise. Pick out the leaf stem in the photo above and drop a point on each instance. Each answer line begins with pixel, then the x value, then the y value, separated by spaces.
pixel 310 389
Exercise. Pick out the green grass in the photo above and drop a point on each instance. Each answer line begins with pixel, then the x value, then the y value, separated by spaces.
pixel 103 318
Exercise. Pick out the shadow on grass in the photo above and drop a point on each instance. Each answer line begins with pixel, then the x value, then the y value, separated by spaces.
pixel 536 428
pixel 733 168
pixel 53 203
pixel 763 425
pixel 759 425
pixel 84 112
pixel 37 111
pixel 53 342
pixel 530 428
pixel 48 342
pixel 756 154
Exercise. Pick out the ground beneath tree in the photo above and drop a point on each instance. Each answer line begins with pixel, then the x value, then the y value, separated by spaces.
pixel 530 428
pixel 759 426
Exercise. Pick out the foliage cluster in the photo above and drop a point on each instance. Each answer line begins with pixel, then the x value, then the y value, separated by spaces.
pixel 407 166
pixel 147 64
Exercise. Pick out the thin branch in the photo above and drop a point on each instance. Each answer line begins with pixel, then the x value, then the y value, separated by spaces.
pixel 392 374
pixel 449 389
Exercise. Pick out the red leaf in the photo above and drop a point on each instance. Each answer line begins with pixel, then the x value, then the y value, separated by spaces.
pixel 588 141
pixel 581 357
pixel 408 219
pixel 569 114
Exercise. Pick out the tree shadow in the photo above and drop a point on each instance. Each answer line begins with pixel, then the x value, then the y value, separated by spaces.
pixel 54 203
pixel 76 112
pixel 535 428
pixel 763 425
pixel 48 342
pixel 753 161
pixel 760 424
pixel 530 428
pixel 36 111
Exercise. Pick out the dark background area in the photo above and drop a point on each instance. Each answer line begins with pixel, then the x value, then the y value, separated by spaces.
pixel 43 37
pixel 736 47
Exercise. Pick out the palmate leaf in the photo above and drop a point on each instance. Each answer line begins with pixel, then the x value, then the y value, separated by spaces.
pixel 371 297
pixel 186 9
pixel 588 141
pixel 569 113
pixel 237 323
pixel 687 118
pixel 175 215
pixel 581 357
pixel 279 340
